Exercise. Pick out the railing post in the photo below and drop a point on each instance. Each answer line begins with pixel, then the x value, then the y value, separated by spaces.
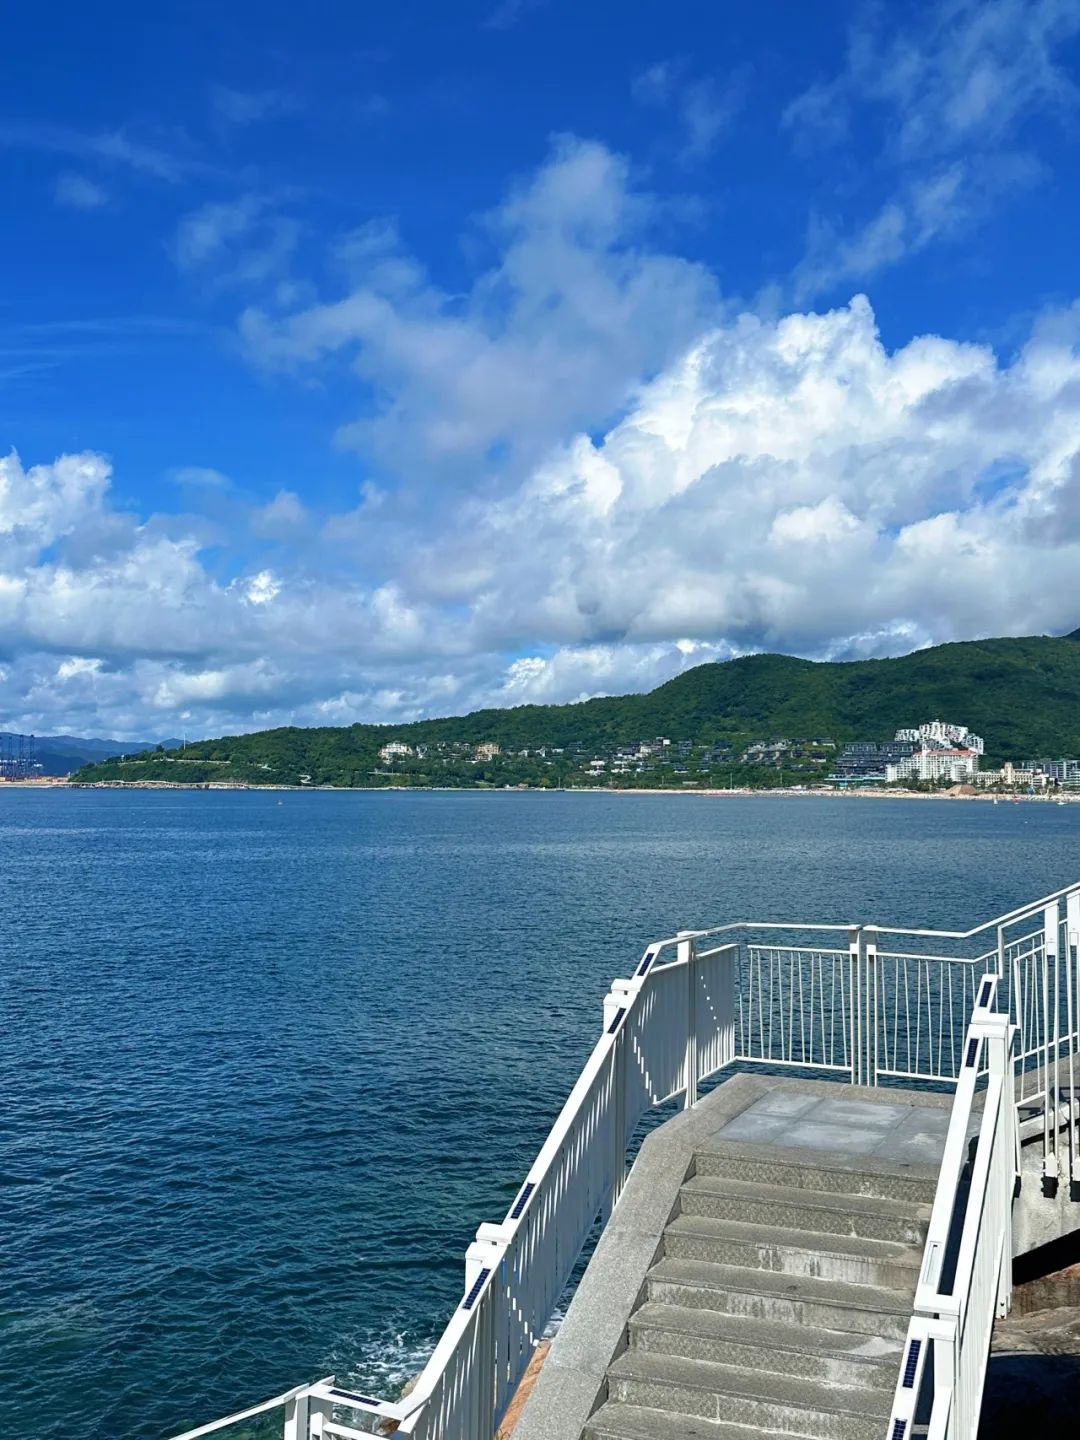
pixel 615 1006
pixel 618 1059
pixel 999 1040
pixel 1072 990
pixel 870 993
pixel 304 1416
pixel 946 1367
pixel 687 954
pixel 855 945
pixel 484 1253
pixel 1050 1048
pixel 727 1001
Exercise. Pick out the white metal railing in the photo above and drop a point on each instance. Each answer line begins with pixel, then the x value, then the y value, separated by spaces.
pixel 871 1003
pixel 966 1275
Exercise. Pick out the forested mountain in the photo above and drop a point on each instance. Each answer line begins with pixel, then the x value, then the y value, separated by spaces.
pixel 1022 695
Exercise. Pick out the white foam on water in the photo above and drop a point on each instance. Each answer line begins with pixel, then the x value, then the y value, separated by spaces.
pixel 380 1362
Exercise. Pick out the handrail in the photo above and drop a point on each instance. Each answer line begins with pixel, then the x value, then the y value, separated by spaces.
pixel 248 1414
pixel 971 1229
pixel 1009 918
pixel 923 1335
pixel 685 1013
pixel 953 1159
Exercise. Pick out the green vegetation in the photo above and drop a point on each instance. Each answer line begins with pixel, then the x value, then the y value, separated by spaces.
pixel 1022 695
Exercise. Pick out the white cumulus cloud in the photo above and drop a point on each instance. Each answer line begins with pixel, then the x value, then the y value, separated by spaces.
pixel 586 474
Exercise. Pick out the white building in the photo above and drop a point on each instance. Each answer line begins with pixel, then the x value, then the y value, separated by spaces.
pixel 393 751
pixel 940 735
pixel 1062 772
pixel 1013 775
pixel 953 764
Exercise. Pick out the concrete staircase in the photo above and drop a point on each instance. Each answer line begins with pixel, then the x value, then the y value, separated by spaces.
pixel 778 1306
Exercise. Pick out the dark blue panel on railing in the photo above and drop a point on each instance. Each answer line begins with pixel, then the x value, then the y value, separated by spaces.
pixel 985 993
pixel 650 956
pixel 972 1053
pixel 615 1023
pixel 478 1285
pixel 521 1201
pixel 911 1364
pixel 898 1429
pixel 348 1395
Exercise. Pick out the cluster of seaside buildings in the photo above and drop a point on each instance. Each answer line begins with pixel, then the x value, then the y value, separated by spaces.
pixel 938 752
pixel 681 758
pixel 398 750
pixel 934 751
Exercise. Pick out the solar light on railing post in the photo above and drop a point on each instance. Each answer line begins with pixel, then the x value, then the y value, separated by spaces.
pixel 616 1003
pixel 483 1254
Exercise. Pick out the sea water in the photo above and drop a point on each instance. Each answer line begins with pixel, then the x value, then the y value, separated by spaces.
pixel 267 1060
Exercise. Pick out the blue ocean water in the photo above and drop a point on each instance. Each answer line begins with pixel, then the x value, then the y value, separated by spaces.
pixel 268 1059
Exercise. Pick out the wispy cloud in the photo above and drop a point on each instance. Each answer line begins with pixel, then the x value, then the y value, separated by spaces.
pixel 77 192
pixel 246 240
pixel 204 234
pixel 248 107
pixel 704 106
pixel 108 147
pixel 964 77
pixel 508 12
pixel 946 98
pixel 943 205
pixel 201 477
pixel 28 349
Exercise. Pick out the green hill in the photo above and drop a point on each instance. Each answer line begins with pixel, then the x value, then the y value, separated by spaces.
pixel 1022 695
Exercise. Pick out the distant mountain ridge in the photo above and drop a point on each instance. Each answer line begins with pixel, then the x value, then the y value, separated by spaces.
pixel 61 754
pixel 1022 695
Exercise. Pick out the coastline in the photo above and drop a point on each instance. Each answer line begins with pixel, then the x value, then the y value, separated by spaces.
pixel 848 793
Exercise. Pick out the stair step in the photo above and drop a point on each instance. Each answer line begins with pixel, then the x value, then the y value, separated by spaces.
pixel 831 1357
pixel 615 1421
pixel 858 1261
pixel 746 1396
pixel 740 1162
pixel 820 1211
pixel 790 1299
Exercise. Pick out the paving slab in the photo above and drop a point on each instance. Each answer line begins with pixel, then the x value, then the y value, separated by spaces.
pixel 889 1129
pixel 840 1139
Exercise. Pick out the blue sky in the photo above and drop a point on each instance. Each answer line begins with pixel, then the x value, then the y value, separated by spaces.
pixel 369 362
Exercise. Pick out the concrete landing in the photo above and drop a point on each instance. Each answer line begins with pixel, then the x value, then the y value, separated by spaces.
pixel 885 1128
pixel 773 1209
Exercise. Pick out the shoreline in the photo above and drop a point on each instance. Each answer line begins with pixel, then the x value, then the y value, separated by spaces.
pixel 850 792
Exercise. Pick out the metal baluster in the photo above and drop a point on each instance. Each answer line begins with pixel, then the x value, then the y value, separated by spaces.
pixel 1072 991
pixel 845 1005
pixel 761 1008
pixel 1050 1170
pixel 902 1047
pixel 854 952
pixel 688 955
pixel 870 952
